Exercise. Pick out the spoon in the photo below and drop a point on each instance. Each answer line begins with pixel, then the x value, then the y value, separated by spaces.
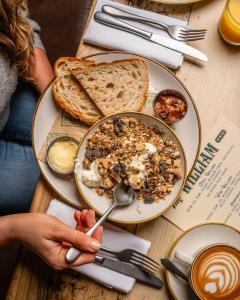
pixel 123 195
pixel 172 267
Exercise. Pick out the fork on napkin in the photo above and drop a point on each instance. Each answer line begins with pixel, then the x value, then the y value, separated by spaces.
pixel 111 236
pixel 111 38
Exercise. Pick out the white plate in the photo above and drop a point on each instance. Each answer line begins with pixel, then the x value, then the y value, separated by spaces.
pixel 138 211
pixel 190 242
pixel 160 78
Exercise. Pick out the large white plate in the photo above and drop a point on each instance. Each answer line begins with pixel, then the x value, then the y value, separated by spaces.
pixel 160 78
pixel 190 242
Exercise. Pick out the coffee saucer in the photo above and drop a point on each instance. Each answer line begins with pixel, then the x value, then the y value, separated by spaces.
pixel 189 243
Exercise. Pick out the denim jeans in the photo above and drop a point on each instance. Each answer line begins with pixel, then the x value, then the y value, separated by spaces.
pixel 18 170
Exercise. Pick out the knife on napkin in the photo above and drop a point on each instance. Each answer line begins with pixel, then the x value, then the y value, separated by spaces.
pixel 155 38
pixel 129 270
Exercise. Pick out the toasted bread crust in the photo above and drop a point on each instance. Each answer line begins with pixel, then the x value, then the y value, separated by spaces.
pixel 132 60
pixel 69 109
pixel 61 70
pixel 64 59
pixel 62 102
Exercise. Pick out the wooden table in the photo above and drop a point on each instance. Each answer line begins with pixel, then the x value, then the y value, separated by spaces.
pixel 215 86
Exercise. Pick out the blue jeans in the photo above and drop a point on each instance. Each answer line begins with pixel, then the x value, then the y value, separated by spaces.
pixel 18 170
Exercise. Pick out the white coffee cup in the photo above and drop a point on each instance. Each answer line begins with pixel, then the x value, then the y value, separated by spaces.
pixel 206 275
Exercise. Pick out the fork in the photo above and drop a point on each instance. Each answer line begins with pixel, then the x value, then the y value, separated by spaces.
pixel 180 33
pixel 136 258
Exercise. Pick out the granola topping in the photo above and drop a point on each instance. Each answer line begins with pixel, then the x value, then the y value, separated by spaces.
pixel 124 148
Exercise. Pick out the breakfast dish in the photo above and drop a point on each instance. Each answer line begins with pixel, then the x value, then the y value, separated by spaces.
pixel 170 106
pixel 125 149
pixel 196 239
pixel 50 122
pixel 134 148
pixel 69 94
pixel 117 86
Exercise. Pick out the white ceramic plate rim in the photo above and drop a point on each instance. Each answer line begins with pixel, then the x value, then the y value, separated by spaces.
pixel 43 168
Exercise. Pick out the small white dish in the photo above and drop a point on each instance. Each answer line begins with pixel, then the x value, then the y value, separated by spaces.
pixel 190 242
pixel 57 140
pixel 138 211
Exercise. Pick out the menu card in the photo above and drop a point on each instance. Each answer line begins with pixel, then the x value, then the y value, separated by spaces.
pixel 212 190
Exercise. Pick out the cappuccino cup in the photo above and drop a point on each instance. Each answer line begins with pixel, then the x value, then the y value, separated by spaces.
pixel 214 272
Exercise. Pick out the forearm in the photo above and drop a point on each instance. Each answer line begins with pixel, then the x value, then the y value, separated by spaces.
pixel 5 231
pixel 42 71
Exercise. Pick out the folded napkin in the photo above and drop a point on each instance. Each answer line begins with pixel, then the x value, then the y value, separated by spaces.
pixel 113 238
pixel 112 38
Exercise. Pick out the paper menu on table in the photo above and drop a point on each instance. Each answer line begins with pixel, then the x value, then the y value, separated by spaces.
pixel 212 191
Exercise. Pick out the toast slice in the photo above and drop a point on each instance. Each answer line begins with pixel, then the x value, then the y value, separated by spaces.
pixel 69 94
pixel 117 86
pixel 64 64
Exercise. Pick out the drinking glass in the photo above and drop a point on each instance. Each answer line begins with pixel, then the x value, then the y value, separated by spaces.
pixel 229 24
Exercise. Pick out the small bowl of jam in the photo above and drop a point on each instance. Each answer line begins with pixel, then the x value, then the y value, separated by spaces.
pixel 170 106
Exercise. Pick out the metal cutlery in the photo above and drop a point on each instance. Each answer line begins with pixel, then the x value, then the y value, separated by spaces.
pixel 129 270
pixel 135 258
pixel 180 33
pixel 123 195
pixel 173 268
pixel 155 38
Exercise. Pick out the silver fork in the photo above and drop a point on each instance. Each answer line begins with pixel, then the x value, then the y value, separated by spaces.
pixel 180 33
pixel 136 258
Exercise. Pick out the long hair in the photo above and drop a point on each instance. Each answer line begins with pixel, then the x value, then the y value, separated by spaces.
pixel 16 37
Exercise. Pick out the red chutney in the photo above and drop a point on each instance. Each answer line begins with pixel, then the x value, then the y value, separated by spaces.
pixel 170 106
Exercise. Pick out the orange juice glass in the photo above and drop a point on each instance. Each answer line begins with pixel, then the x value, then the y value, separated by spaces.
pixel 229 24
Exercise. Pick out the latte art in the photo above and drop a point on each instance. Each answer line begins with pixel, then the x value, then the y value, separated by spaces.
pixel 216 273
pixel 220 273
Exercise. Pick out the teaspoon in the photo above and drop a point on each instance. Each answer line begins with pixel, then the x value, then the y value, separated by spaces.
pixel 123 195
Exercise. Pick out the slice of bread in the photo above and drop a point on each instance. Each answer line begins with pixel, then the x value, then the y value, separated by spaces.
pixel 117 86
pixel 69 94
pixel 64 64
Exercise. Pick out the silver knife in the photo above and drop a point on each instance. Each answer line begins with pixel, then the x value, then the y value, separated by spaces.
pixel 155 38
pixel 129 270
pixel 173 268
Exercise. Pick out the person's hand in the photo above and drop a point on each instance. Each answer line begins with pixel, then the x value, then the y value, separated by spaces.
pixel 51 239
pixel 85 219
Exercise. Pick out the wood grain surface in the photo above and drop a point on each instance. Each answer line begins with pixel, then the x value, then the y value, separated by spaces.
pixel 168 2
pixel 215 88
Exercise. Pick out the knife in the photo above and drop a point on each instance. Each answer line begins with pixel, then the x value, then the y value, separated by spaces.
pixel 106 19
pixel 171 267
pixel 129 270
